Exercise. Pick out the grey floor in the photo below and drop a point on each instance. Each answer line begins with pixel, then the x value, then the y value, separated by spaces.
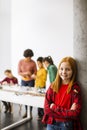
pixel 7 119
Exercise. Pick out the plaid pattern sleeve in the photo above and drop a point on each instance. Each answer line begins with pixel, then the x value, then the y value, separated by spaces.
pixel 71 114
pixel 48 113
pixel 59 112
pixel 48 101
pixel 49 98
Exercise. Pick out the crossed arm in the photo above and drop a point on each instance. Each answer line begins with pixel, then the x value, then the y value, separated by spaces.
pixel 54 110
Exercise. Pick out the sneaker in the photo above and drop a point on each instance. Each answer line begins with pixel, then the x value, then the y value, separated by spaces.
pixel 25 115
pixel 10 109
pixel 6 109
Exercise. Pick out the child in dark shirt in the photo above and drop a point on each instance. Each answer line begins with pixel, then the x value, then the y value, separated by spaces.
pixel 8 80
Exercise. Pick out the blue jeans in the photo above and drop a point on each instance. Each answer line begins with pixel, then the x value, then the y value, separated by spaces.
pixel 28 83
pixel 60 126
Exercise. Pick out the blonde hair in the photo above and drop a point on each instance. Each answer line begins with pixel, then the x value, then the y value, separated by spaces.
pixel 58 81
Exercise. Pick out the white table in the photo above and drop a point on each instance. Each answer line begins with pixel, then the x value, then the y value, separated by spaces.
pixel 14 95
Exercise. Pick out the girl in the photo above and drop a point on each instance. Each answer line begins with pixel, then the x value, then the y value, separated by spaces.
pixel 51 69
pixel 10 79
pixel 40 81
pixel 62 105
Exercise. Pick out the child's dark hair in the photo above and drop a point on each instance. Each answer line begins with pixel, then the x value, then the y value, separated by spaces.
pixel 40 59
pixel 48 59
pixel 8 71
pixel 28 53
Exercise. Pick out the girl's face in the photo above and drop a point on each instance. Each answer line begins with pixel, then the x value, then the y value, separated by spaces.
pixel 46 64
pixel 65 72
pixel 40 65
pixel 9 75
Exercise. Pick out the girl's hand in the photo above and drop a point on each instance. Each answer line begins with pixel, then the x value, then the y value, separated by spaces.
pixel 73 107
pixel 27 73
pixel 11 83
pixel 33 76
pixel 5 83
pixel 51 105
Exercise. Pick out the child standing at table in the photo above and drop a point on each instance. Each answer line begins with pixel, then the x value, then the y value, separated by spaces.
pixel 51 69
pixel 40 81
pixel 27 70
pixel 8 80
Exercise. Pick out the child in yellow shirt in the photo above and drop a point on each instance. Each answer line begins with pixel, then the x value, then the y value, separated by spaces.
pixel 40 81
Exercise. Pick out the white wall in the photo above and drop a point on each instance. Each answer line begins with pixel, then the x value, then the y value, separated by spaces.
pixel 45 26
pixel 5 36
